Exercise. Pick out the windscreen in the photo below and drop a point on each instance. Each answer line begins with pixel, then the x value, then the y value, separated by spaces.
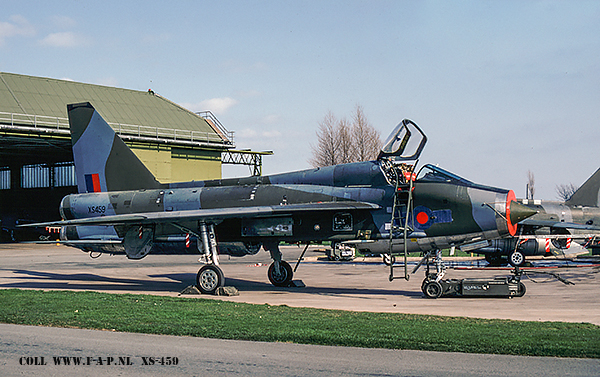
pixel 433 173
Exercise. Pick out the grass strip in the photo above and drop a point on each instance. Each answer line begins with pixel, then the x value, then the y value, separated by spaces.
pixel 228 320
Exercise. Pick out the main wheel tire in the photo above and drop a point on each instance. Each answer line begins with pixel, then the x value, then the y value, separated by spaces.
pixel 432 289
pixel 516 258
pixel 209 279
pixel 283 277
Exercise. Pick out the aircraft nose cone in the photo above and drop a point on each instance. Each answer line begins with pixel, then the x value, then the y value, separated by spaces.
pixel 519 212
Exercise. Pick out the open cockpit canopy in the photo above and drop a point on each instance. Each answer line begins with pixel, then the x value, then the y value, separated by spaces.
pixel 405 143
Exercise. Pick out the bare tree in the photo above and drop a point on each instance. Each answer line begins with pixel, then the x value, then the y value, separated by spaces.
pixel 564 192
pixel 367 140
pixel 530 184
pixel 326 150
pixel 346 142
pixel 340 142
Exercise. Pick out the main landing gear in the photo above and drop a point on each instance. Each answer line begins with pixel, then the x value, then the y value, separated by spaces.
pixel 280 272
pixel 210 277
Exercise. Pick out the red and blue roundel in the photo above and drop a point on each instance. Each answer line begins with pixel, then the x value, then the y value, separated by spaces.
pixel 425 218
pixel 92 182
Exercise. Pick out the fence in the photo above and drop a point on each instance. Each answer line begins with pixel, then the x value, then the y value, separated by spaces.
pixel 58 125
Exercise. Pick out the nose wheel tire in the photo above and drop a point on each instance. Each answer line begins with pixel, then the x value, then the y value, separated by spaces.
pixel 282 277
pixel 516 258
pixel 209 279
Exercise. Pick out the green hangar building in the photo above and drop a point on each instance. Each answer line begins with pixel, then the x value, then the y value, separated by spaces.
pixel 36 161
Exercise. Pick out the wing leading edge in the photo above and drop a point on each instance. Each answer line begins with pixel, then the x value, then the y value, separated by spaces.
pixel 212 215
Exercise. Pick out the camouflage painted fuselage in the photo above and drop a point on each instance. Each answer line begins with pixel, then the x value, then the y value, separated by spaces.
pixel 445 211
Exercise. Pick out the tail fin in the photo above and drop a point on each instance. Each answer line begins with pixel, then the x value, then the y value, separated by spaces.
pixel 588 194
pixel 103 162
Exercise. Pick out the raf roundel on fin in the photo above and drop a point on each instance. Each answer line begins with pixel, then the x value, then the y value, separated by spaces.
pixel 92 183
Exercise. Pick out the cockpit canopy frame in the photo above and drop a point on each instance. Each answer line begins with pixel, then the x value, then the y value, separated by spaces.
pixel 405 143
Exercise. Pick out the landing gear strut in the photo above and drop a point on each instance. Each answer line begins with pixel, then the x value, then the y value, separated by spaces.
pixel 210 277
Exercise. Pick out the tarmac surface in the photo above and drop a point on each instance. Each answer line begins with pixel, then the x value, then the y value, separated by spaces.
pixel 359 285
pixel 154 355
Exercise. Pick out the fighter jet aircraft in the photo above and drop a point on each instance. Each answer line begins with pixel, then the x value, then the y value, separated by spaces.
pixel 556 229
pixel 122 207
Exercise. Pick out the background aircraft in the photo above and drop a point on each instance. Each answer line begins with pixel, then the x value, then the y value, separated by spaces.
pixel 557 229
pixel 121 207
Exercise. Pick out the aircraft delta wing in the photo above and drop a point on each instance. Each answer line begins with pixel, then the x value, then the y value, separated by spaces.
pixel 121 207
pixel 214 214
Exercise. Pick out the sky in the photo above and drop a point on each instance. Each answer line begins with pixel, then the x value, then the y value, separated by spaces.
pixel 499 87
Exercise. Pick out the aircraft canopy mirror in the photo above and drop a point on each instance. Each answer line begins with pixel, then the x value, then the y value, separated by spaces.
pixel 405 143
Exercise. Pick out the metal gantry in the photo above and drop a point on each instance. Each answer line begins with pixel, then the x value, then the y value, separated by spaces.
pixel 245 157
